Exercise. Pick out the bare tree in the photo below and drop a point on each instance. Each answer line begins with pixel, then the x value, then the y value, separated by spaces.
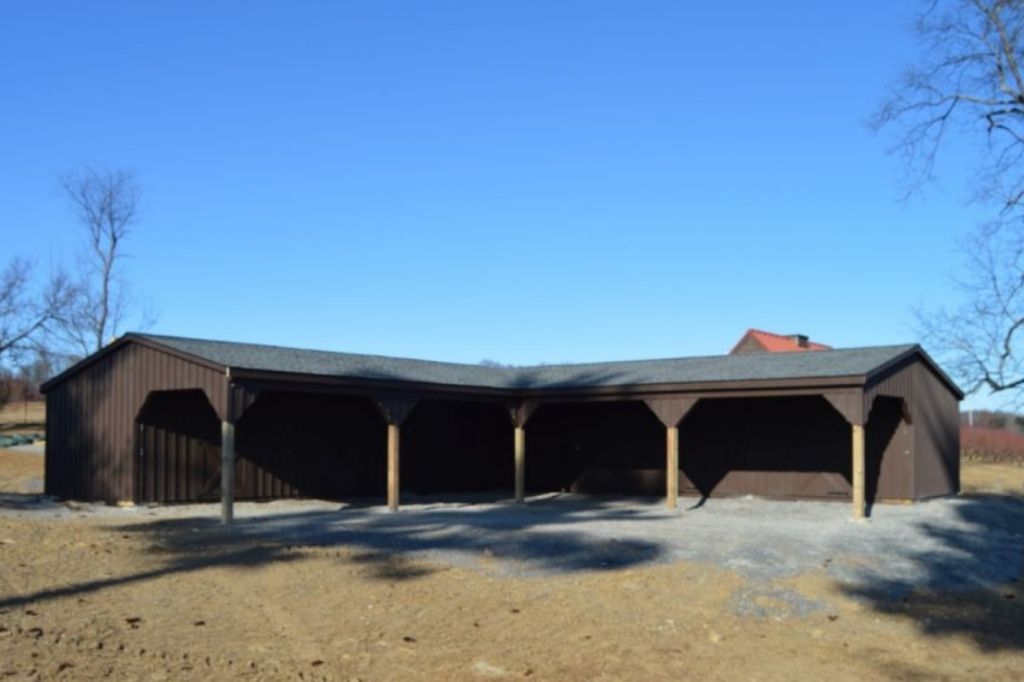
pixel 107 203
pixel 28 312
pixel 970 84
pixel 981 338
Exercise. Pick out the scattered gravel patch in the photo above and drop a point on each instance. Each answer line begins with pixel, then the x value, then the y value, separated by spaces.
pixel 765 601
pixel 958 543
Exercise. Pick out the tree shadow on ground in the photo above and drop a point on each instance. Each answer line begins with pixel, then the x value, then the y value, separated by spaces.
pixel 19 500
pixel 535 538
pixel 968 584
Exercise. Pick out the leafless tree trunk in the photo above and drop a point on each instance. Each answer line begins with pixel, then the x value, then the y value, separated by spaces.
pixel 970 83
pixel 107 202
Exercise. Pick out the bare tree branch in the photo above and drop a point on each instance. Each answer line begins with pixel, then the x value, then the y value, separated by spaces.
pixel 27 313
pixel 970 73
pixel 969 80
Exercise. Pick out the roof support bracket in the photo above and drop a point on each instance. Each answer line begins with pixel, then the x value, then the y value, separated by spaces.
pixel 670 410
pixel 394 409
pixel 521 411
pixel 849 404
pixel 241 399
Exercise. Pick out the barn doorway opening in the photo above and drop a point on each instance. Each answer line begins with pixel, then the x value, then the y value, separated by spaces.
pixel 595 447
pixel 322 445
pixel 177 448
pixel 795 446
pixel 456 447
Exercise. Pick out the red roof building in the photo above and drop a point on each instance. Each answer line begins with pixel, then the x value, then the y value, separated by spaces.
pixel 758 341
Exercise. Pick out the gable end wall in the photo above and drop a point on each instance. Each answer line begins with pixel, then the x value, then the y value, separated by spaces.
pixel 90 424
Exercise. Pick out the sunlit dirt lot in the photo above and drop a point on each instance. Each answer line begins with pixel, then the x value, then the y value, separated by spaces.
pixel 142 595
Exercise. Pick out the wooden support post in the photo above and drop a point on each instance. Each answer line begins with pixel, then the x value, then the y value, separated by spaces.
pixel 858 472
pixel 227 472
pixel 520 454
pixel 671 466
pixel 671 410
pixel 520 414
pixel 393 477
pixel 395 410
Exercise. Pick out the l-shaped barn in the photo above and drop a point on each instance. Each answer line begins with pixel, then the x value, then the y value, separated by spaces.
pixel 169 419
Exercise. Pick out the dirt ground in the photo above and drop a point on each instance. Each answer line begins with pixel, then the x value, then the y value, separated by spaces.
pixel 20 472
pixel 145 598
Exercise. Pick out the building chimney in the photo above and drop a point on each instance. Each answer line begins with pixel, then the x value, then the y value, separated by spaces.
pixel 800 339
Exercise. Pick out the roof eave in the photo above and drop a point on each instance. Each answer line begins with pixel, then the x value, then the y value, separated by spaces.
pixel 130 337
pixel 541 392
pixel 917 350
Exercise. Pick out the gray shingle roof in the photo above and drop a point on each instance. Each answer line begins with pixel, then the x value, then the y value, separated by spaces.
pixel 718 368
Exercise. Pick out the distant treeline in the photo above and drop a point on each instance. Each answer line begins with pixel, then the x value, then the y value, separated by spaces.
pixel 993 419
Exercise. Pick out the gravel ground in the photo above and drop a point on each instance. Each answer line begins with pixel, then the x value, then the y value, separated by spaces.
pixel 953 543
pixel 37 448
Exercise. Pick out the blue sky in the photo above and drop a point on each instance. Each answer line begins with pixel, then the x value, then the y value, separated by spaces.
pixel 520 181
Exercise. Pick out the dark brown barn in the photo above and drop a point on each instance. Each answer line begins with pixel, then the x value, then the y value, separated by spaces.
pixel 167 419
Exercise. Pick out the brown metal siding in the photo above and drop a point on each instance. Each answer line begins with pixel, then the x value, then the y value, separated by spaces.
pixel 936 415
pixel 888 430
pixel 93 415
pixel 890 451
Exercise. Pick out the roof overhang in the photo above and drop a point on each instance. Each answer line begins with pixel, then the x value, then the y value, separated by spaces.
pixel 262 378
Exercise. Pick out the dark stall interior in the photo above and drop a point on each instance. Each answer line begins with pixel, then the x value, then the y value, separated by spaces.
pixel 310 445
pixel 596 447
pixel 792 447
pixel 456 447
pixel 334 447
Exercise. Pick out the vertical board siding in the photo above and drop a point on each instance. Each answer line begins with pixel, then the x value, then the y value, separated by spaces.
pixel 936 414
pixel 91 418
pixel 933 435
pixel 888 430
pixel 108 443
pixel 180 433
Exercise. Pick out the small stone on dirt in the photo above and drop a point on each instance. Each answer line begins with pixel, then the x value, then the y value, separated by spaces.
pixel 487 670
